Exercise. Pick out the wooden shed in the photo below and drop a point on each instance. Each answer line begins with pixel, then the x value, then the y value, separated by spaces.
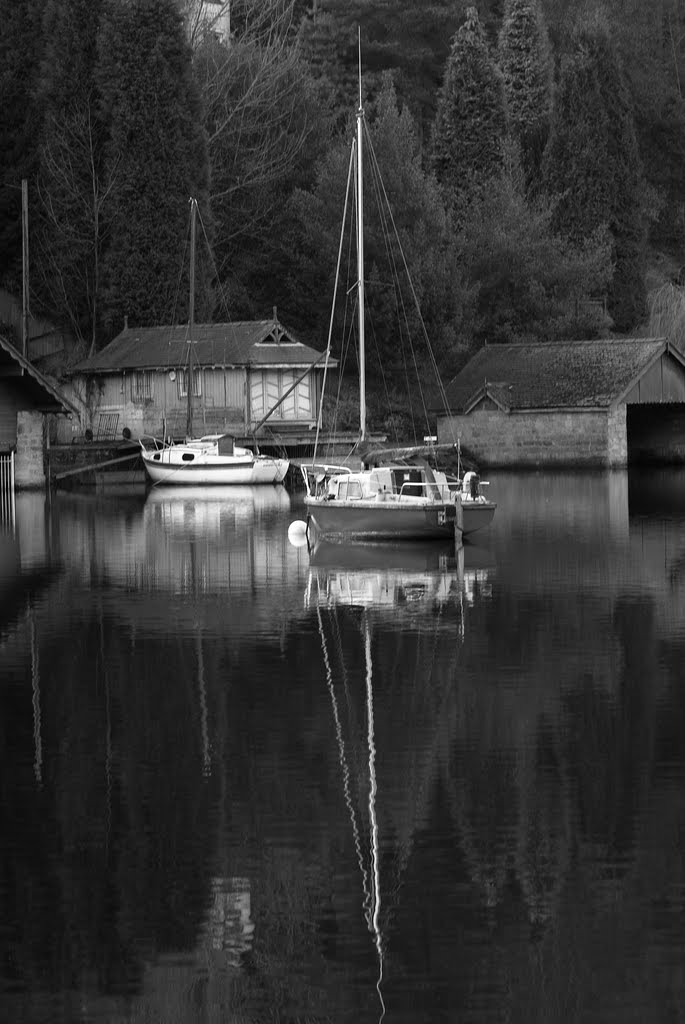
pixel 241 371
pixel 582 403
pixel 27 396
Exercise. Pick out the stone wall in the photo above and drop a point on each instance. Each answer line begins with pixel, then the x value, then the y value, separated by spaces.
pixel 29 463
pixel 518 439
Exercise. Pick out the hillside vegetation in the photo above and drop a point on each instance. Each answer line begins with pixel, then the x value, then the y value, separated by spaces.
pixel 532 151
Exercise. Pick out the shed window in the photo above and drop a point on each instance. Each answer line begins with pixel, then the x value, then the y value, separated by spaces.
pixel 183 384
pixel 141 386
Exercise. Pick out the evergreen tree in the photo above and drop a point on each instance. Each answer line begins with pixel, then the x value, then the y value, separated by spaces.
pixel 156 159
pixel 525 59
pixel 529 283
pixel 410 40
pixel 66 245
pixel 425 235
pixel 593 168
pixel 20 41
pixel 470 124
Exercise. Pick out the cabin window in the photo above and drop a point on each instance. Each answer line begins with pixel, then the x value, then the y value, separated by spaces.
pixel 349 490
pixel 141 386
pixel 182 379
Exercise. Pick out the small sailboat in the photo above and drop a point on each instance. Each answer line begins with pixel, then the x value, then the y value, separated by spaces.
pixel 213 458
pixel 387 493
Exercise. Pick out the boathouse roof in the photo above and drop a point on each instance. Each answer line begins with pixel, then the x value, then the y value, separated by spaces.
pixel 33 387
pixel 243 343
pixel 555 375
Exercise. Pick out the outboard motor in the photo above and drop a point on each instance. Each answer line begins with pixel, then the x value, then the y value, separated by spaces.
pixel 471 485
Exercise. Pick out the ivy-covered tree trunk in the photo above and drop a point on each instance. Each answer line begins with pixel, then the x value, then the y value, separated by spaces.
pixel 471 123
pixel 593 168
pixel 525 60
pixel 156 159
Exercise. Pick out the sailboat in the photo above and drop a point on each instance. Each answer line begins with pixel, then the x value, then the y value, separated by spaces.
pixel 390 493
pixel 212 458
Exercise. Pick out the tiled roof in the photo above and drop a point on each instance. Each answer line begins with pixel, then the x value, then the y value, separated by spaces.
pixel 256 343
pixel 554 375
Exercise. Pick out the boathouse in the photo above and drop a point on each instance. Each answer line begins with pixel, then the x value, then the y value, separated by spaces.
pixel 246 376
pixel 26 397
pixel 569 404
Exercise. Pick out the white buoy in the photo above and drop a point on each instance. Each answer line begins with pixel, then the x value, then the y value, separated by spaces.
pixel 297 533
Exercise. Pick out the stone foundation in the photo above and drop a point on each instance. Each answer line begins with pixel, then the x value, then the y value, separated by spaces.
pixel 29 463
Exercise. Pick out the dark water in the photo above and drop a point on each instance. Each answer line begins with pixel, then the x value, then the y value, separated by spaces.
pixel 242 784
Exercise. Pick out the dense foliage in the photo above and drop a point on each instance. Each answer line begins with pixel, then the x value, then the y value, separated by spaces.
pixel 471 119
pixel 592 165
pixel 525 59
pixel 517 202
pixel 155 156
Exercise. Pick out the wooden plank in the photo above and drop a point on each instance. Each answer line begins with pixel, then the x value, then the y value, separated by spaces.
pixel 94 465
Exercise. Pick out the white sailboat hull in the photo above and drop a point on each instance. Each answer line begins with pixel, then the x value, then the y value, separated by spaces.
pixel 200 463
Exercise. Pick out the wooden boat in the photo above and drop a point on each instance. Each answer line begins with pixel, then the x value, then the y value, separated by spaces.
pixel 213 458
pixel 391 493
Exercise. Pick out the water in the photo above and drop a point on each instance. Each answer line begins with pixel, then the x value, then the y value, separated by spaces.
pixel 240 783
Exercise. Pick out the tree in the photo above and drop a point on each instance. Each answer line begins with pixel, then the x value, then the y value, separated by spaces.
pixel 530 284
pixel 67 243
pixel 592 165
pixel 156 147
pixel 262 126
pixel 525 60
pixel 20 42
pixel 409 40
pixel 471 123
pixel 423 238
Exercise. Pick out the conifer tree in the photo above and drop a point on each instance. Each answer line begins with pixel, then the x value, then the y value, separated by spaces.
pixel 424 232
pixel 470 124
pixel 20 41
pixel 156 157
pixel 66 220
pixel 593 168
pixel 409 40
pixel 525 60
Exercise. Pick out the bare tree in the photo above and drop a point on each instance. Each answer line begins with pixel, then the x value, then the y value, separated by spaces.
pixel 72 194
pixel 252 87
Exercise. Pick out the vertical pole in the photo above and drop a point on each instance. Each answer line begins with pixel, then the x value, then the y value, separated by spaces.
pixel 25 268
pixel 191 321
pixel 360 260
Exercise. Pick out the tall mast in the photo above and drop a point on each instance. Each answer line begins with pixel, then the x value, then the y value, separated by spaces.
pixel 191 320
pixel 360 258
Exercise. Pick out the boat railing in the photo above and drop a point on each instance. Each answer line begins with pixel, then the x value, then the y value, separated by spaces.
pixel 151 444
pixel 422 489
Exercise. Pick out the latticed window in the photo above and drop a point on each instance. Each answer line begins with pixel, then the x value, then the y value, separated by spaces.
pixel 183 383
pixel 141 386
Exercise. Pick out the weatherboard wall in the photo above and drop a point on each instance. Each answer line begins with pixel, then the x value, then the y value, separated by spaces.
pixel 153 403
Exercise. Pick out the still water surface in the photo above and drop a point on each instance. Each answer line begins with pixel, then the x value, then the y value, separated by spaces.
pixel 242 782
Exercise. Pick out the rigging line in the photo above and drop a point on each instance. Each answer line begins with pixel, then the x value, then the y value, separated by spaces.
pixel 384 211
pixel 400 307
pixel 215 268
pixel 342 757
pixel 374 923
pixel 335 295
pixel 441 387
